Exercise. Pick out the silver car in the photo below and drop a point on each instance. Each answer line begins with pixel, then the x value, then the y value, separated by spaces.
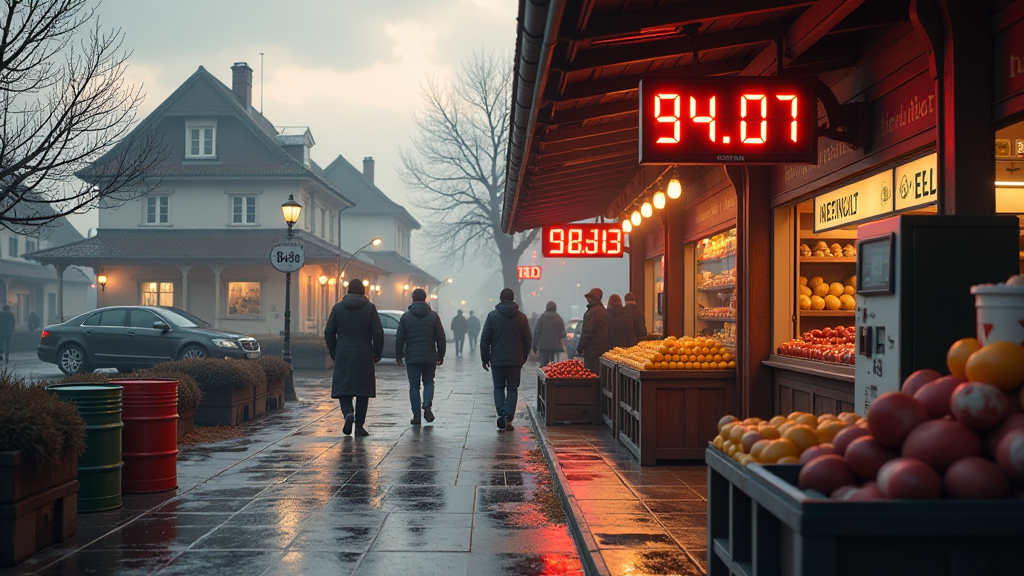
pixel 389 320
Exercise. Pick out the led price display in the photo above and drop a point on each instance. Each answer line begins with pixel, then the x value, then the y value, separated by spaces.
pixel 742 120
pixel 583 241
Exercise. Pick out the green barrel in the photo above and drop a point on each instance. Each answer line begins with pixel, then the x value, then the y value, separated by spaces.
pixel 99 469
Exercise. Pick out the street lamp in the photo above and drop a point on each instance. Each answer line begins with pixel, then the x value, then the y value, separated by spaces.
pixel 374 242
pixel 290 210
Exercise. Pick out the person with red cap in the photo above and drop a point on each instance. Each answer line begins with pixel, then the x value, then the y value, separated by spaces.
pixel 594 334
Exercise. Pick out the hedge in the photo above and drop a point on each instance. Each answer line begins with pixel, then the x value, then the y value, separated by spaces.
pixel 274 368
pixel 301 344
pixel 188 392
pixel 214 373
pixel 34 421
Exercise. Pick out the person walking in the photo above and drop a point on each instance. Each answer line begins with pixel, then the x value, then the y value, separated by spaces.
pixel 473 325
pixel 420 340
pixel 355 340
pixel 549 335
pixel 7 322
pixel 459 327
pixel 634 313
pixel 33 322
pixel 594 334
pixel 620 325
pixel 504 348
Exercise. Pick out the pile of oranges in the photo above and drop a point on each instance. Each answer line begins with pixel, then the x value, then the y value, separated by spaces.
pixel 781 440
pixel 691 354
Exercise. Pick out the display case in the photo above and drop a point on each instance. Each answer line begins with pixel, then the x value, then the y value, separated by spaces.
pixel 826 274
pixel 715 290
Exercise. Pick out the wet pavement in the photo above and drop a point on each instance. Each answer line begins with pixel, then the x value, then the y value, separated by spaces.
pixel 631 519
pixel 296 496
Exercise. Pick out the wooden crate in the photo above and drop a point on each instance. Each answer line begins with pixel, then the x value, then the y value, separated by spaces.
pixel 38 505
pixel 814 387
pixel 608 371
pixel 568 401
pixel 672 414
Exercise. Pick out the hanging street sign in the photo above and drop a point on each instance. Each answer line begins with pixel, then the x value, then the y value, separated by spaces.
pixel 528 272
pixel 287 256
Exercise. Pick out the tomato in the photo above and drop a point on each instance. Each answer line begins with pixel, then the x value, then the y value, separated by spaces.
pixel 934 396
pixel 826 474
pixel 979 406
pixel 959 352
pixel 893 415
pixel 1000 364
pixel 909 478
pixel 915 381
pixel 975 478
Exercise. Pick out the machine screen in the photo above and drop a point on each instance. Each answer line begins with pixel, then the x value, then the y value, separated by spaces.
pixel 875 266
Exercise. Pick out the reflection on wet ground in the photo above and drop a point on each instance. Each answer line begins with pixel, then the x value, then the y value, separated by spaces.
pixel 295 496
pixel 635 520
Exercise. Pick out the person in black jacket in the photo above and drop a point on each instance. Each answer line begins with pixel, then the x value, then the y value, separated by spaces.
pixel 549 335
pixel 355 340
pixel 420 340
pixel 7 323
pixel 504 348
pixel 594 333
pixel 459 328
pixel 639 326
pixel 620 325
pixel 473 325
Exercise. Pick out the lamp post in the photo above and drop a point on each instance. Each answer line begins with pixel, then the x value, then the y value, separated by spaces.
pixel 291 210
pixel 374 242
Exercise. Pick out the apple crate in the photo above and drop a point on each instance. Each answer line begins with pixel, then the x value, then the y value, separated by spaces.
pixel 568 400
pixel 759 523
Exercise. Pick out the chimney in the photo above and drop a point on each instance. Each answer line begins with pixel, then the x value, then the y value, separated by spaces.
pixel 241 83
pixel 368 169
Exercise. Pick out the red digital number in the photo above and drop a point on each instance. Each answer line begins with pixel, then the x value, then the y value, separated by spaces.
pixel 791 98
pixel 612 241
pixel 575 241
pixel 764 119
pixel 593 243
pixel 557 236
pixel 709 119
pixel 669 117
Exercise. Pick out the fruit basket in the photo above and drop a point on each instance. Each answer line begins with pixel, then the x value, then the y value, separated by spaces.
pixel 568 393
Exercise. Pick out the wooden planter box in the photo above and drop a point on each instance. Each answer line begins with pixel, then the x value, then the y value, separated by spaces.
pixel 609 373
pixel 275 396
pixel 259 399
pixel 563 401
pixel 317 362
pixel 225 407
pixel 672 414
pixel 186 422
pixel 38 505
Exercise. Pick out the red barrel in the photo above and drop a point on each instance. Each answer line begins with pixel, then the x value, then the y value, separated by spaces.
pixel 150 439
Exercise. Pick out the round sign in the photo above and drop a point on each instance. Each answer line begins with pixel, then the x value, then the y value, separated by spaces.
pixel 287 256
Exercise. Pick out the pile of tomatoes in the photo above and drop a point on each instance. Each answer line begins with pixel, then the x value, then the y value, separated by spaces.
pixel 567 369
pixel 825 345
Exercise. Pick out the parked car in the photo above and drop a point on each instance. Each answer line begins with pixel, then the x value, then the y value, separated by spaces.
pixel 389 320
pixel 126 337
pixel 572 336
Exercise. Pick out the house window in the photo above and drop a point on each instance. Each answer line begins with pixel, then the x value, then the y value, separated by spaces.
pixel 157 209
pixel 323 223
pixel 244 299
pixel 201 140
pixel 333 227
pixel 30 246
pixel 157 294
pixel 243 209
pixel 12 247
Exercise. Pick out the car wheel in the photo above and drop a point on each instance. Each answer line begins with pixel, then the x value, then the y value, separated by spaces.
pixel 71 360
pixel 192 352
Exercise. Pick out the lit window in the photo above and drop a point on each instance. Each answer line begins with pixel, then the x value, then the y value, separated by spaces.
pixel 201 140
pixel 243 209
pixel 157 294
pixel 244 299
pixel 157 209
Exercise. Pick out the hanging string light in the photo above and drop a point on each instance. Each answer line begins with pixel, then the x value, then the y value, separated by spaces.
pixel 659 199
pixel 646 210
pixel 636 218
pixel 627 226
pixel 675 189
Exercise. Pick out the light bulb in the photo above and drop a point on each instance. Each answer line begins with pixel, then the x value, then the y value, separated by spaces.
pixel 627 226
pixel 636 218
pixel 659 199
pixel 646 210
pixel 675 189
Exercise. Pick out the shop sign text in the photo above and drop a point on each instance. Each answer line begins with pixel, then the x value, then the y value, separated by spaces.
pixel 528 272
pixel 854 203
pixel 915 184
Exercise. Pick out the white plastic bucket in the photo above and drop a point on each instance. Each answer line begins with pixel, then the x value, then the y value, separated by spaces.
pixel 1000 313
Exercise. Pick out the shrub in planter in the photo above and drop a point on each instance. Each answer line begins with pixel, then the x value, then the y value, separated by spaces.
pixel 227 387
pixel 276 370
pixel 40 440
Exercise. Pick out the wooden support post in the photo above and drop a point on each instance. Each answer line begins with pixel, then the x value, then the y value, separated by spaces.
pixel 638 265
pixel 675 274
pixel 60 290
pixel 184 268
pixel 753 293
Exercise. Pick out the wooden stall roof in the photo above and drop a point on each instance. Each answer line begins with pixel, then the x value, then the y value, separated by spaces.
pixel 573 139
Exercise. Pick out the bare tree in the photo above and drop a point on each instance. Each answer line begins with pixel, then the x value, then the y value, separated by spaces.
pixel 457 164
pixel 65 106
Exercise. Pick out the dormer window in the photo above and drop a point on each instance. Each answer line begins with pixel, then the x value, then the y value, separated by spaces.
pixel 201 139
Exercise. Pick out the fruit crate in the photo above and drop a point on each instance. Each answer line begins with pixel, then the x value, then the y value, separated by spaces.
pixel 670 414
pixel 568 400
pixel 609 374
pixel 759 523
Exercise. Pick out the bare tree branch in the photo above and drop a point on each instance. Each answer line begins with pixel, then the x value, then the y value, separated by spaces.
pixel 456 164
pixel 67 112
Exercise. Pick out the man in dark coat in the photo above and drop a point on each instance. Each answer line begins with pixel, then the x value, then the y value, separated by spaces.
pixel 620 326
pixel 634 313
pixel 420 340
pixel 459 328
pixel 473 325
pixel 504 348
pixel 549 335
pixel 594 334
pixel 7 322
pixel 355 340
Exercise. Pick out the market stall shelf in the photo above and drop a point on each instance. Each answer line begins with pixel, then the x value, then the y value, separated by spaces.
pixel 569 400
pixel 812 386
pixel 671 414
pixel 609 374
pixel 760 523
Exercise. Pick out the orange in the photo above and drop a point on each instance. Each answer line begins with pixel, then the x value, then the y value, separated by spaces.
pixel 778 449
pixel 718 441
pixel 754 421
pixel 726 445
pixel 826 417
pixel 755 450
pixel 770 432
pixel 817 303
pixel 815 281
pixel 828 430
pixel 746 459
pixel 726 356
pixel 959 352
pixel 700 358
pixel 788 460
pixel 836 289
pixel 847 302
pixel 775 421
pixel 736 434
pixel 705 366
pixel 793 415
pixel 692 358
pixel 718 358
pixel 672 365
pixel 1000 364
pixel 723 365
pixel 658 357
pixel 785 426
pixel 732 364
pixel 849 417
pixel 808 419
pixel 804 302
pixel 688 365
pixel 820 290
pixel 832 303
pixel 802 436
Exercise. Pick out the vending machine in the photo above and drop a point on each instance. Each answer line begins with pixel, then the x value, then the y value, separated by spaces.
pixel 914 278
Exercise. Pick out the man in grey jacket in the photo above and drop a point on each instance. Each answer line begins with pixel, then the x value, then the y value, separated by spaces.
pixel 420 340
pixel 504 348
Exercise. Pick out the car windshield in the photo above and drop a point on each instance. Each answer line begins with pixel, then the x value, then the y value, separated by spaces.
pixel 183 319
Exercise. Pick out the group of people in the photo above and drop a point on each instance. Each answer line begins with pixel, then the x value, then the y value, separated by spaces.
pixel 355 340
pixel 462 327
pixel 603 329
